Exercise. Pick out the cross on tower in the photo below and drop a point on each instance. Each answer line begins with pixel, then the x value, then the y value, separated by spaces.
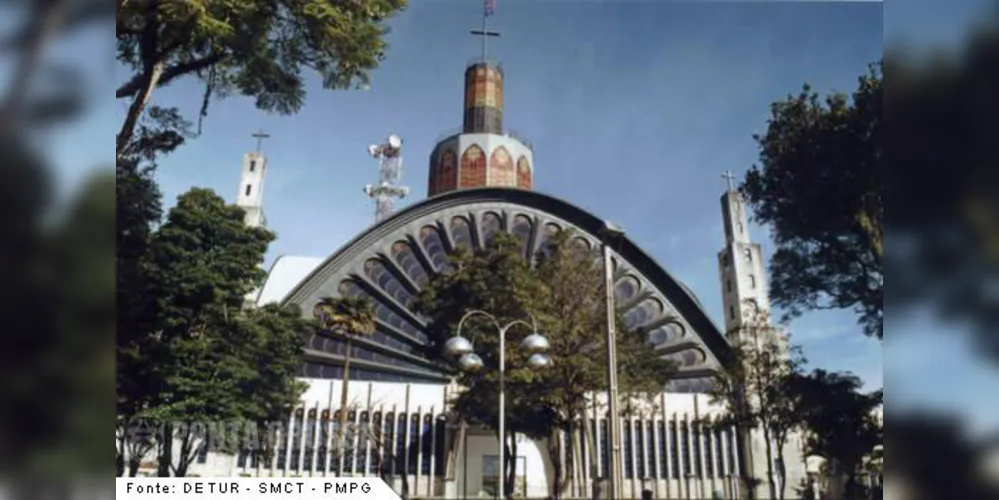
pixel 728 176
pixel 260 135
pixel 484 32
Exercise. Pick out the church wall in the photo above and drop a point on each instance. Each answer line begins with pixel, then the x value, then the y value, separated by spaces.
pixel 663 450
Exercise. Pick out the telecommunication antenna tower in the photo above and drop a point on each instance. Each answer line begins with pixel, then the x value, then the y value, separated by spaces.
pixel 389 156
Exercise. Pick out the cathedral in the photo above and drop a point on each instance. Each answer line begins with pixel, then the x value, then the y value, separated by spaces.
pixel 481 182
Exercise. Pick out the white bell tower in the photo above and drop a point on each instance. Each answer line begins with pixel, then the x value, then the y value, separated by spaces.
pixel 250 196
pixel 743 277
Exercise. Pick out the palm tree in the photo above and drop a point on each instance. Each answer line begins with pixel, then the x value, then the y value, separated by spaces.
pixel 345 318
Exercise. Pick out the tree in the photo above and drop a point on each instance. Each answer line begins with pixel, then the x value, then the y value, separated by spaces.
pixel 257 48
pixel 819 187
pixel 840 422
pixel 345 318
pixel 755 388
pixel 205 359
pixel 564 294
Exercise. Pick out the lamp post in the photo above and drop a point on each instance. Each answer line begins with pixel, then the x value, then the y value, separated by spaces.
pixel 462 350
pixel 608 233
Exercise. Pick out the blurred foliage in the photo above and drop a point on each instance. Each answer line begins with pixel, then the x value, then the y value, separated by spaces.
pixel 943 116
pixel 58 307
pixel 255 48
pixel 935 459
pixel 564 293
pixel 819 187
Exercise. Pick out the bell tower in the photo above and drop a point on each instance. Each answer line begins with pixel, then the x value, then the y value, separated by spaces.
pixel 740 262
pixel 250 196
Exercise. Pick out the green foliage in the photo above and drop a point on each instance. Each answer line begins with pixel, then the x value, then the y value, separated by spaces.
pixel 819 187
pixel 756 389
pixel 255 48
pixel 192 354
pixel 564 293
pixel 346 316
pixel 840 421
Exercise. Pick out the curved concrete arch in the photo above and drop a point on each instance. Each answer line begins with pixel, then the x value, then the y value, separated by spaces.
pixel 679 306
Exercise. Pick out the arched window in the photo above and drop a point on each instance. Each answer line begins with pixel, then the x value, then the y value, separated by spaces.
pixel 405 257
pixel 522 227
pixel 473 167
pixel 647 310
pixel 491 226
pixel 434 247
pixel 752 281
pixel 625 289
pixel 448 177
pixel 461 233
pixel 501 168
pixel 523 173
pixel 380 274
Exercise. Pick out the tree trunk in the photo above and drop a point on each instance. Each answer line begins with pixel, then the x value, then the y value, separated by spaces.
pixel 341 438
pixel 770 467
pixel 166 452
pixel 186 457
pixel 510 481
pixel 119 455
pixel 149 81
pixel 555 455
pixel 594 459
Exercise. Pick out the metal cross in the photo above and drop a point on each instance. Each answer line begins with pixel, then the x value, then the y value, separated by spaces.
pixel 260 135
pixel 484 32
pixel 728 176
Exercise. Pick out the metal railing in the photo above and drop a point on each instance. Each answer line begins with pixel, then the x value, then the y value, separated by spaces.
pixel 513 134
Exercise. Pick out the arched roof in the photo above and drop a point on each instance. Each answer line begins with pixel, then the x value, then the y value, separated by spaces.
pixel 390 261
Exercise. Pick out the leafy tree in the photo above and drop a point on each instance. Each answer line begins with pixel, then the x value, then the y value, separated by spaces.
pixel 254 48
pixel 819 187
pixel 840 421
pixel 345 318
pixel 755 388
pixel 205 359
pixel 564 293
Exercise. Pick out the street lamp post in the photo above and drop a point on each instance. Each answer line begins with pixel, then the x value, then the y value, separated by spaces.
pixel 608 233
pixel 461 349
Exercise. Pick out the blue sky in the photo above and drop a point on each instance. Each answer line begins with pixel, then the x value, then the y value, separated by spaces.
pixel 635 110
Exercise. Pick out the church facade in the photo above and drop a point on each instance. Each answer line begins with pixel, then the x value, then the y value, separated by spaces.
pixel 480 184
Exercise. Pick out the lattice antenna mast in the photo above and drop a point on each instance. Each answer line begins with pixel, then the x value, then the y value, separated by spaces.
pixel 389 156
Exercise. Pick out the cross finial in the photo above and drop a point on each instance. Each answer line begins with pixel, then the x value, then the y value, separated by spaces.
pixel 728 176
pixel 260 135
pixel 490 7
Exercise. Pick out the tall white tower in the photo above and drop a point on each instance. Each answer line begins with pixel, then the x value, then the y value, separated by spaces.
pixel 743 278
pixel 251 185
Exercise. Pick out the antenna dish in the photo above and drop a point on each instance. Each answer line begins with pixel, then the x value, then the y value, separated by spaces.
pixel 373 150
pixel 394 141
